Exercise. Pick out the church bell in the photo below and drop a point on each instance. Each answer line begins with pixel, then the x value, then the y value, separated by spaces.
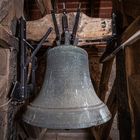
pixel 67 99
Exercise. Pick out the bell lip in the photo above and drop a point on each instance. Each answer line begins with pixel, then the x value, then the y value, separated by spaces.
pixel 67 46
pixel 78 126
pixel 100 120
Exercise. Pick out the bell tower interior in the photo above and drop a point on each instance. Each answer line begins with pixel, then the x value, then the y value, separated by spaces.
pixel 69 69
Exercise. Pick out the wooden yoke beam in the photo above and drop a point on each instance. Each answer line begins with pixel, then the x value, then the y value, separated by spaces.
pixel 89 29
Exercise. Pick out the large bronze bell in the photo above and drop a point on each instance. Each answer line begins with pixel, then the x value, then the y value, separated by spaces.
pixel 67 99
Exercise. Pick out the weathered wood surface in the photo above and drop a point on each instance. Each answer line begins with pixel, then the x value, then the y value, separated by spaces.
pixel 4 88
pixel 7 40
pixel 10 10
pixel 7 75
pixel 8 56
pixel 89 28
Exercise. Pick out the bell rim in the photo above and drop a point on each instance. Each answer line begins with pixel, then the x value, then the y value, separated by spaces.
pixel 78 126
pixel 65 125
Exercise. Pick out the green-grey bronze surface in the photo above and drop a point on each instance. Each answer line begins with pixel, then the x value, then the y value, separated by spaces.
pixel 67 99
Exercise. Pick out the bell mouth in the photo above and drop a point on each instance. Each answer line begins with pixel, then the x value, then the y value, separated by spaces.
pixel 67 118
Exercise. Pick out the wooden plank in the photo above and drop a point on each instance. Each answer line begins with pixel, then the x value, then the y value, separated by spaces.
pixel 8 59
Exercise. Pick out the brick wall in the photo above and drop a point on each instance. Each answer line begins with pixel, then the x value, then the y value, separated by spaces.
pixel 102 8
pixel 72 5
pixel 94 8
pixel 31 9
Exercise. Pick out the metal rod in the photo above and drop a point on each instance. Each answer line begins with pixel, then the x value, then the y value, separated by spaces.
pixel 64 6
pixel 114 29
pixel 58 37
pixel 23 70
pixel 66 33
pixel 64 19
pixel 28 44
pixel 33 78
pixel 41 42
pixel 75 27
pixel 39 45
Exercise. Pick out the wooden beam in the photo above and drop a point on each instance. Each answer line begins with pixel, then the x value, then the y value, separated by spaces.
pixel 105 75
pixel 86 31
pixel 124 116
pixel 132 29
